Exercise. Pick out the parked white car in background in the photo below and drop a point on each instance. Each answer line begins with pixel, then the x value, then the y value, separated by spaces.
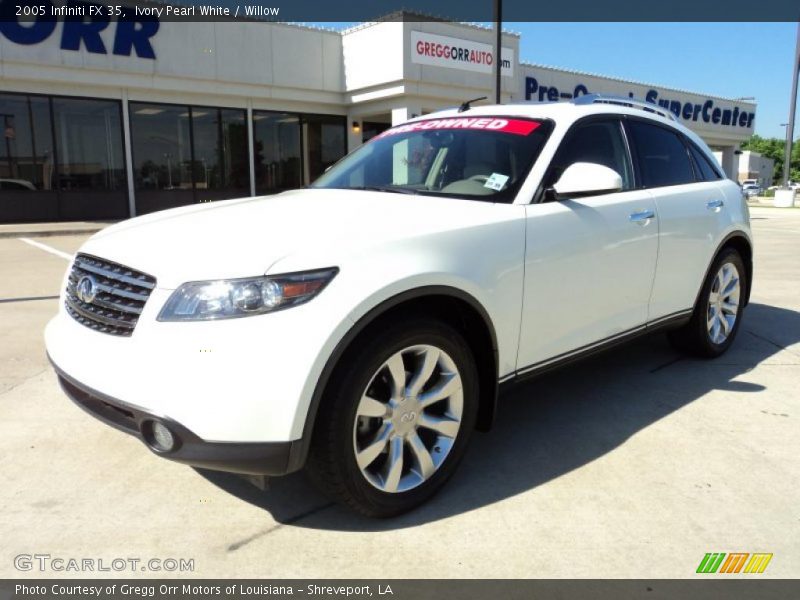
pixel 360 327
pixel 751 189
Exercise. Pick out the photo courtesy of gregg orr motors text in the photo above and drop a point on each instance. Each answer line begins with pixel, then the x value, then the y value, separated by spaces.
pixel 43 563
pixel 188 589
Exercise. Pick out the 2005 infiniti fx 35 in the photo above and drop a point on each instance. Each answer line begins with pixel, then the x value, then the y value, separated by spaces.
pixel 360 327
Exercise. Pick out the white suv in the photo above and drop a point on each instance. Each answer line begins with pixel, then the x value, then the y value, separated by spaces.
pixel 360 327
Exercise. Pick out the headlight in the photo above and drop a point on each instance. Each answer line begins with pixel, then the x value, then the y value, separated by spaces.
pixel 229 298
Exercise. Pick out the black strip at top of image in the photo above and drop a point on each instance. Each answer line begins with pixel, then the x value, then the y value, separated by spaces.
pixel 300 11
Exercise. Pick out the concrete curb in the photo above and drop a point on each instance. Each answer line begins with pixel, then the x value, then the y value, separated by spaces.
pixel 15 231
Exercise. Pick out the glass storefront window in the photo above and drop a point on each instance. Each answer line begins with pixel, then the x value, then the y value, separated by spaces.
pixel 162 156
pixel 183 155
pixel 162 150
pixel 220 153
pixel 90 165
pixel 61 159
pixel 236 170
pixel 206 167
pixel 88 145
pixel 278 158
pixel 26 152
pixel 326 142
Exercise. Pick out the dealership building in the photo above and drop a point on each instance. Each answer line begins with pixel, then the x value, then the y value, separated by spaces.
pixel 109 120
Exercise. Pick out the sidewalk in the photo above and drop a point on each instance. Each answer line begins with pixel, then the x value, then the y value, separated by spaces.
pixel 9 230
pixel 769 202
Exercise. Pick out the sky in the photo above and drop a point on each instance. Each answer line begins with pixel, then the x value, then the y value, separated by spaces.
pixel 734 60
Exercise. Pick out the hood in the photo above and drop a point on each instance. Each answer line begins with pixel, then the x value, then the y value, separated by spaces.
pixel 243 238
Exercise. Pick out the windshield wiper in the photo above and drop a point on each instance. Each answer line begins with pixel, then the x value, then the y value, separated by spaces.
pixel 386 188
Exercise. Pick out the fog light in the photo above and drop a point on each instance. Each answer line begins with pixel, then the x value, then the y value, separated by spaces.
pixel 163 440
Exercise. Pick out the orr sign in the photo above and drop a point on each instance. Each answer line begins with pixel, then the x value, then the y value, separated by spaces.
pixel 456 53
pixel 32 22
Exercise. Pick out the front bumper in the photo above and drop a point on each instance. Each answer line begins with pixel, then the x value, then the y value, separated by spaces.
pixel 247 380
pixel 250 458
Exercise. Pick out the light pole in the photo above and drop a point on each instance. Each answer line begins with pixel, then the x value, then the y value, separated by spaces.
pixel 787 161
pixel 498 48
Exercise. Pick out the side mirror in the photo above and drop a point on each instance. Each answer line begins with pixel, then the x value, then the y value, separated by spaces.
pixel 586 179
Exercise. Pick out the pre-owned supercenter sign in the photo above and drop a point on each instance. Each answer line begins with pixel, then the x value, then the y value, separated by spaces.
pixel 456 53
pixel 691 108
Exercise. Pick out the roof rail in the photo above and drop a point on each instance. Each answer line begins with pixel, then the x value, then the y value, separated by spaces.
pixel 624 101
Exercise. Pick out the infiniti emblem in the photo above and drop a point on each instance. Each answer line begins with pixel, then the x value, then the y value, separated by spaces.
pixel 86 289
pixel 408 417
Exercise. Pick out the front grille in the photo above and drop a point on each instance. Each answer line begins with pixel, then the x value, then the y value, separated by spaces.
pixel 119 295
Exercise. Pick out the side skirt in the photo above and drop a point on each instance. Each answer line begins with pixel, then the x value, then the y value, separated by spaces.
pixel 667 322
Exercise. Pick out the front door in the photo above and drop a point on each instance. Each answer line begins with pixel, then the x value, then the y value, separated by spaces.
pixel 589 262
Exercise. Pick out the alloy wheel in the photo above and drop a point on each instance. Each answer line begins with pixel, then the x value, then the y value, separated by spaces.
pixel 408 418
pixel 723 303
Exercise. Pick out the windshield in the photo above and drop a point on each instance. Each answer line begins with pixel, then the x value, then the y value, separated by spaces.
pixel 475 158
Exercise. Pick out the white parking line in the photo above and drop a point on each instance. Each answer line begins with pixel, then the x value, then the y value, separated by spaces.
pixel 47 248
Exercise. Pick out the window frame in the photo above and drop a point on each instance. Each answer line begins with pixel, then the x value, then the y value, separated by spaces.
pixel 541 196
pixel 635 152
pixel 691 146
pixel 190 108
pixel 61 214
pixel 305 120
pixel 301 148
pixel 123 148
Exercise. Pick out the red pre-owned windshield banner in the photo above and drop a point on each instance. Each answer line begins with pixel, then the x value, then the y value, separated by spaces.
pixel 515 126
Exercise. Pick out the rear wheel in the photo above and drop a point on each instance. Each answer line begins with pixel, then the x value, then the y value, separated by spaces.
pixel 717 316
pixel 396 419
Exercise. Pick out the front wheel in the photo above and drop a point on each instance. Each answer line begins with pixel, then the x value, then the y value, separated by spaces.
pixel 396 418
pixel 718 313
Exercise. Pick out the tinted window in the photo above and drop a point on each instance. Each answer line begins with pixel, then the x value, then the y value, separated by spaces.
pixel 276 139
pixel 220 166
pixel 184 154
pixel 26 147
pixel 89 144
pixel 162 149
pixel 327 142
pixel 61 159
pixel 598 142
pixel 707 171
pixel 663 158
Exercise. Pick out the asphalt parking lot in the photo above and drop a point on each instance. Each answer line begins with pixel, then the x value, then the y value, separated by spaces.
pixel 634 463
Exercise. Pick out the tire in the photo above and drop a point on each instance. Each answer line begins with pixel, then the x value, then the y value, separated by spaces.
pixel 392 474
pixel 716 317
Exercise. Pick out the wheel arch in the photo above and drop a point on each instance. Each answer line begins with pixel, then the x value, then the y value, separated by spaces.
pixel 744 247
pixel 452 305
pixel 739 241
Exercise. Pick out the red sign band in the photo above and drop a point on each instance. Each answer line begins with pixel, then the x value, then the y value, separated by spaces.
pixel 513 126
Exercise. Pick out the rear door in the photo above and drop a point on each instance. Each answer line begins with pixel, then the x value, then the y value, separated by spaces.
pixel 589 261
pixel 690 210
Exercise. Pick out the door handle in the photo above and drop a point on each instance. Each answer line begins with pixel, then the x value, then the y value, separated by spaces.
pixel 642 217
pixel 715 205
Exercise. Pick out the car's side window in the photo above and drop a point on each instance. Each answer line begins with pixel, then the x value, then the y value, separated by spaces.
pixel 708 172
pixel 597 141
pixel 662 156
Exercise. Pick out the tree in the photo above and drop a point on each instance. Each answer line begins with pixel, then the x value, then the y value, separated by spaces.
pixel 794 174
